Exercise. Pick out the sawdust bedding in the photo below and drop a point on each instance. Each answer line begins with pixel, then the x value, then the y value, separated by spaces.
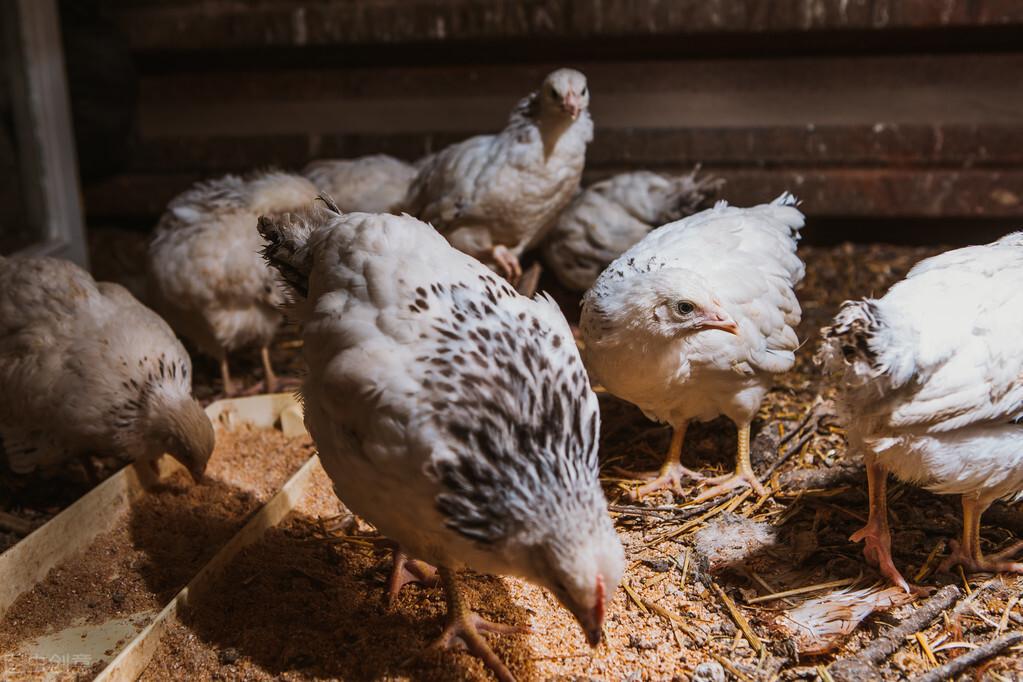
pixel 307 601
pixel 162 541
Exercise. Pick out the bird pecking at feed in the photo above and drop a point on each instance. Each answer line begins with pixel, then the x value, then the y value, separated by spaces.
pixel 494 196
pixel 206 276
pixel 693 321
pixel 450 412
pixel 88 369
pixel 931 377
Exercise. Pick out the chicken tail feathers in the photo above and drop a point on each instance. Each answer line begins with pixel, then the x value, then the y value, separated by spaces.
pixel 850 340
pixel 287 246
pixel 690 194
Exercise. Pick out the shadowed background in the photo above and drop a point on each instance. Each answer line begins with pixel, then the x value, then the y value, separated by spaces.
pixel 894 121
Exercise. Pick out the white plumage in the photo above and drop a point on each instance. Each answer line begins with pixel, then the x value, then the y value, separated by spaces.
pixel 608 217
pixel 932 379
pixel 86 368
pixel 692 322
pixel 205 272
pixel 493 196
pixel 450 412
pixel 371 184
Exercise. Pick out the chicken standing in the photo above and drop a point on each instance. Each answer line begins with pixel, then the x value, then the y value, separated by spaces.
pixel 693 321
pixel 492 196
pixel 206 276
pixel 88 369
pixel 371 184
pixel 932 380
pixel 610 216
pixel 450 412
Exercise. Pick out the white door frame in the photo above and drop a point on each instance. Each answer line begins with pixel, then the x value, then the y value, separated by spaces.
pixel 42 119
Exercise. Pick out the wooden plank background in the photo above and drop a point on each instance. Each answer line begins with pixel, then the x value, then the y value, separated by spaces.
pixel 879 112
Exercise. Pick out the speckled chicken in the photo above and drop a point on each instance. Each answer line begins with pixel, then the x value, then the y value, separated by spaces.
pixel 450 412
pixel 694 321
pixel 371 184
pixel 932 382
pixel 206 276
pixel 608 217
pixel 87 369
pixel 492 196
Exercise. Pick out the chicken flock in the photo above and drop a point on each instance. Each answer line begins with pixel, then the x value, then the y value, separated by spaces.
pixel 456 414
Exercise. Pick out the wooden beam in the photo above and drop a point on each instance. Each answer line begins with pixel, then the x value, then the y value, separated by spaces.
pixel 206 24
pixel 881 193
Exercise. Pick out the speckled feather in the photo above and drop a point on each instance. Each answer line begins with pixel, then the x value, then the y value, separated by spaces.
pixel 450 412
pixel 82 364
pixel 504 189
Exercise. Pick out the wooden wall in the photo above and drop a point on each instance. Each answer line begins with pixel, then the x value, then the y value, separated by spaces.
pixel 890 119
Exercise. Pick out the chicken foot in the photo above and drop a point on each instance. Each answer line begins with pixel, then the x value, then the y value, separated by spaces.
pixel 464 628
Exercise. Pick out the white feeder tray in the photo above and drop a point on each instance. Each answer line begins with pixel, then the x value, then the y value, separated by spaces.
pixel 132 640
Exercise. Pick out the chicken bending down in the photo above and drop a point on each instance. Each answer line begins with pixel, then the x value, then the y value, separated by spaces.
pixel 206 276
pixel 87 369
pixel 494 196
pixel 693 322
pixel 370 184
pixel 450 412
pixel 932 382
pixel 610 216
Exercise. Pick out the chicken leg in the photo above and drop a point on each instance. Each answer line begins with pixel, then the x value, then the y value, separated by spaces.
pixel 672 471
pixel 743 475
pixel 405 571
pixel 507 263
pixel 464 628
pixel 225 377
pixel 877 545
pixel 968 553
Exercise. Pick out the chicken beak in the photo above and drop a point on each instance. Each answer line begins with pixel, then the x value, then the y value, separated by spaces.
pixel 572 105
pixel 592 621
pixel 720 320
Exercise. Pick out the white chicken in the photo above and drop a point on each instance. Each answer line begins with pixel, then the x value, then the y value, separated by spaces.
pixel 492 196
pixel 450 412
pixel 370 184
pixel 694 320
pixel 206 276
pixel 932 379
pixel 87 369
pixel 609 216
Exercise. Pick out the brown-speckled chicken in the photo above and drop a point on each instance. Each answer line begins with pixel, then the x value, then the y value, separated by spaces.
pixel 369 184
pixel 492 196
pixel 206 275
pixel 86 368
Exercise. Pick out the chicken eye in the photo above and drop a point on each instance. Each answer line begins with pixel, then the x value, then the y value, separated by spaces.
pixel 685 307
pixel 554 92
pixel 582 92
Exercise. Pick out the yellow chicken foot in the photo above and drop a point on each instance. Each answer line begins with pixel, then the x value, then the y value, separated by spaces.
pixel 671 473
pixel 968 553
pixel 743 475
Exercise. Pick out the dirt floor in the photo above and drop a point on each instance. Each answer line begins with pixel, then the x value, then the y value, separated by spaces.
pixel 165 537
pixel 307 601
